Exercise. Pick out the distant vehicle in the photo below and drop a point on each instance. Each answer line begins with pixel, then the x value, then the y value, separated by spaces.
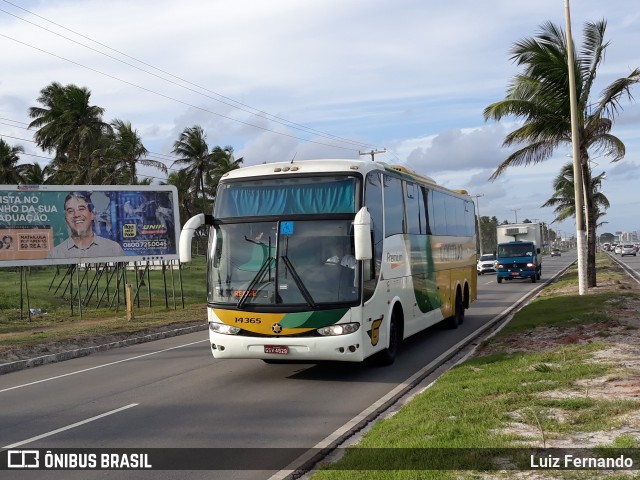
pixel 617 249
pixel 555 252
pixel 487 263
pixel 627 250
pixel 519 252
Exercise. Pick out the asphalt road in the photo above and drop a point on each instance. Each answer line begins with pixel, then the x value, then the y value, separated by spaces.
pixel 633 262
pixel 171 393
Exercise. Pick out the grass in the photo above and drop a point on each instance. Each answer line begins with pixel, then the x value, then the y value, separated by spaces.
pixel 103 311
pixel 474 404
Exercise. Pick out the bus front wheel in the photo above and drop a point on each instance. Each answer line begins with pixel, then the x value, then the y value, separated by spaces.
pixel 388 355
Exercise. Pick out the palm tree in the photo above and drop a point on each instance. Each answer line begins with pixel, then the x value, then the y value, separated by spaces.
pixel 126 150
pixel 224 162
pixel 187 197
pixel 194 152
pixel 563 199
pixel 540 97
pixel 10 171
pixel 70 126
pixel 34 174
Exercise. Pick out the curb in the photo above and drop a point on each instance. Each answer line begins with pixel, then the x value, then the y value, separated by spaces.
pixel 83 352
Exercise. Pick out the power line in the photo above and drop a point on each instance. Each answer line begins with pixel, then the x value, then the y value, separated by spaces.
pixel 108 158
pixel 175 99
pixel 160 155
pixel 239 105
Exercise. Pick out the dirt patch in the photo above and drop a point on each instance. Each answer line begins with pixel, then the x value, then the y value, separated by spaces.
pixel 622 349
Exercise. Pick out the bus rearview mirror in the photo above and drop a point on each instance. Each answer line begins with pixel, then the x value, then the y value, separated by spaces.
pixel 362 235
pixel 186 236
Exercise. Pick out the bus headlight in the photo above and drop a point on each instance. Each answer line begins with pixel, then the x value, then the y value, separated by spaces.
pixel 340 329
pixel 223 328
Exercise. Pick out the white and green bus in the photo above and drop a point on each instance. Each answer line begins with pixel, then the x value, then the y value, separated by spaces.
pixel 333 260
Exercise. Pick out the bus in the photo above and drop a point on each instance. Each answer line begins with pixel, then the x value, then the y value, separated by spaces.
pixel 333 260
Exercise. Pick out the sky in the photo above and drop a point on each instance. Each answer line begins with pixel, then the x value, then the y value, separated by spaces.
pixel 305 79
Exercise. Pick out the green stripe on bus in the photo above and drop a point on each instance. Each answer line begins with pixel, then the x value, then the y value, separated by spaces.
pixel 423 272
pixel 320 319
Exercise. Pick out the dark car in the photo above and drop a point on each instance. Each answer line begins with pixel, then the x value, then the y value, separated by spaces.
pixel 555 252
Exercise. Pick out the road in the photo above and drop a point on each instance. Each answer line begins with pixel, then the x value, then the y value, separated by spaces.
pixel 172 394
pixel 630 263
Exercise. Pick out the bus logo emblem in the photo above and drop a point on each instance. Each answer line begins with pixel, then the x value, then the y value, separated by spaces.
pixel 276 328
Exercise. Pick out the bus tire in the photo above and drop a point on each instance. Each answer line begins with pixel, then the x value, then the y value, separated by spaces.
pixel 499 279
pixel 460 309
pixel 388 355
pixel 533 279
pixel 458 314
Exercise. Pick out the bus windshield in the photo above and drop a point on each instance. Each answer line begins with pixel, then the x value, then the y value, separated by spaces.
pixel 286 263
pixel 286 196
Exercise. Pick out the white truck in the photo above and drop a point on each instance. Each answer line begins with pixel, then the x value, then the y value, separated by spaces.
pixel 519 251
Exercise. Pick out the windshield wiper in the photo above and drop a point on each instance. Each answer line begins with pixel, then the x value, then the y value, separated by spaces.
pixel 296 278
pixel 254 282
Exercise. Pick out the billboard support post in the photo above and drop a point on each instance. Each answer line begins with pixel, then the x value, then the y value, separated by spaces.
pixel 180 277
pixel 79 291
pixel 26 289
pixel 129 301
pixel 23 278
pixel 149 283
pixel 21 298
pixel 173 287
pixel 70 287
pixel 164 282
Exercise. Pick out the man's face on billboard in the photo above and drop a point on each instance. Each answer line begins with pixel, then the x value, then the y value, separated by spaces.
pixel 78 217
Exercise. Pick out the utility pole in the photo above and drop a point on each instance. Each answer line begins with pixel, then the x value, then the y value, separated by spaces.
pixel 372 153
pixel 479 224
pixel 515 210
pixel 577 170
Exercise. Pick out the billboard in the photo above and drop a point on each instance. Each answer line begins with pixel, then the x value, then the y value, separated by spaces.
pixel 55 224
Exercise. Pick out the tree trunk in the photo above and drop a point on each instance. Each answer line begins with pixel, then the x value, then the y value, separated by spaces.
pixel 591 226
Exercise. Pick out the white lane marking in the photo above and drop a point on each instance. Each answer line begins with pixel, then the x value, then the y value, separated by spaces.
pixel 68 427
pixel 328 440
pixel 324 443
pixel 98 366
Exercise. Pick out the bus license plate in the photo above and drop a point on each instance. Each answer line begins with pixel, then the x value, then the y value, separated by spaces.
pixel 277 349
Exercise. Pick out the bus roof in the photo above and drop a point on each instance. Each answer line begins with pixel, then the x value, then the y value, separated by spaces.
pixel 328 165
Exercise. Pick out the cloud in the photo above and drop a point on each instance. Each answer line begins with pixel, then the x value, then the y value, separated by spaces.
pixel 626 170
pixel 458 150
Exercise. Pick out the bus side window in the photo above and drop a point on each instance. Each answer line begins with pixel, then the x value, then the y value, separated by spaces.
pixel 373 202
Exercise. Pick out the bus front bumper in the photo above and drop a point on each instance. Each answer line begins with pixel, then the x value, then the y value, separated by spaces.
pixel 343 348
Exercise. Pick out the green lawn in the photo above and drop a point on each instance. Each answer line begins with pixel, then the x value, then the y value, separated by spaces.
pixel 103 311
pixel 462 418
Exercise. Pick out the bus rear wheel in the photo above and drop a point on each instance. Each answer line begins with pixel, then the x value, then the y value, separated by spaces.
pixel 458 314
